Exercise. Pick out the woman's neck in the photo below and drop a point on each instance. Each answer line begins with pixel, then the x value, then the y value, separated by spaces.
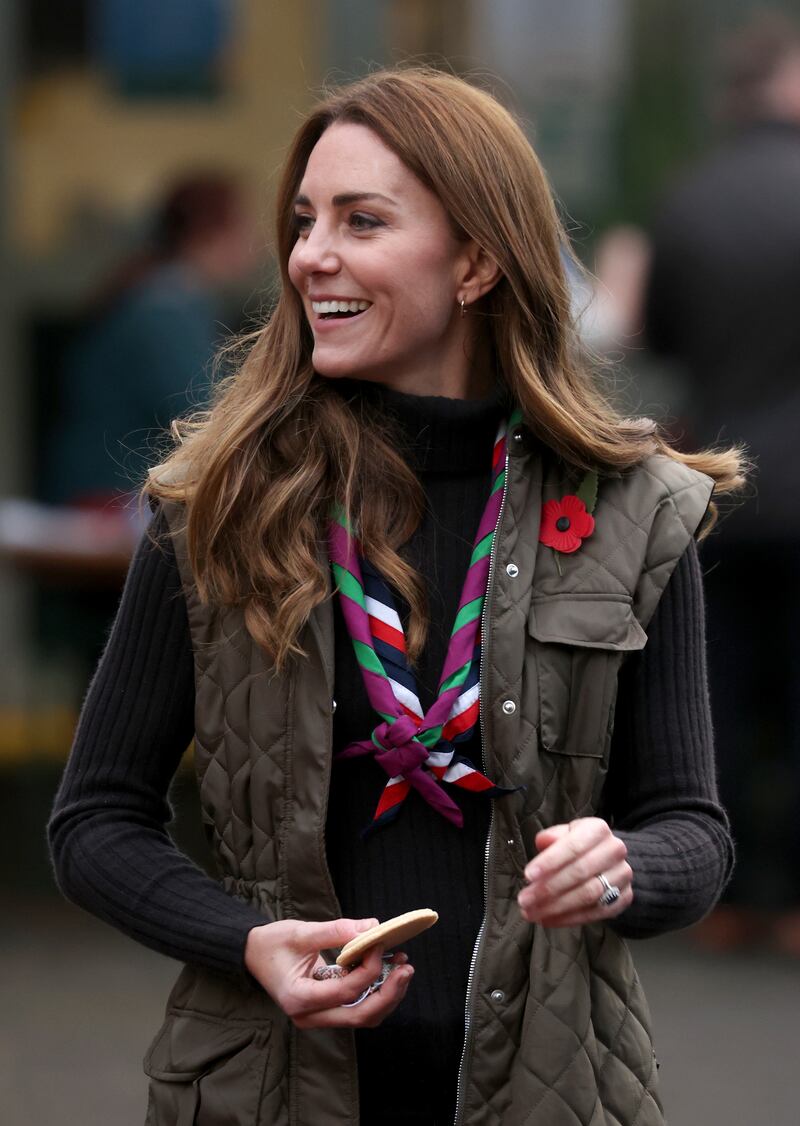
pixel 437 432
pixel 472 378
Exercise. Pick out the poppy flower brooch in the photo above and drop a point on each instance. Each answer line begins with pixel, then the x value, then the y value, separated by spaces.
pixel 566 523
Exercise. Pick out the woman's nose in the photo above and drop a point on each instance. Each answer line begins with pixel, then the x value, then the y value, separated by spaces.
pixel 317 253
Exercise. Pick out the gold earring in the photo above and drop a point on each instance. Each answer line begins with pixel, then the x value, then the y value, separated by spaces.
pixel 463 305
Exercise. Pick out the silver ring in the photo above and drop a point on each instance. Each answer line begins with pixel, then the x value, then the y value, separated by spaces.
pixel 611 893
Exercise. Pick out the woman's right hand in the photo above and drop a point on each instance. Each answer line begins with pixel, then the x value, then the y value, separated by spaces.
pixel 283 956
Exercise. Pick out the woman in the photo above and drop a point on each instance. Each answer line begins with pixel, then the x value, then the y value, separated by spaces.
pixel 420 359
pixel 155 326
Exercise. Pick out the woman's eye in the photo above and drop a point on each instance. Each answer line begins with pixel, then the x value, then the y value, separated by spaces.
pixel 363 222
pixel 303 224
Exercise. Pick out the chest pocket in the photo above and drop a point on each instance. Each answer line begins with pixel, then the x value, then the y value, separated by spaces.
pixel 579 642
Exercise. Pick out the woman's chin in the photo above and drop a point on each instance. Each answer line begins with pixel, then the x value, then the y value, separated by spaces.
pixel 335 367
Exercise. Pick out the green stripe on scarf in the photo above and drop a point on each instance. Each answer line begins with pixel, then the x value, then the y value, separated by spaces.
pixel 349 585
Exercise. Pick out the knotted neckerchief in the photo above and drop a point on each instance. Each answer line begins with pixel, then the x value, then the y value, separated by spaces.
pixel 419 749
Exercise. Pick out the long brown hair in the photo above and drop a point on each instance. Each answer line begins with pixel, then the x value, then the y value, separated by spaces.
pixel 258 472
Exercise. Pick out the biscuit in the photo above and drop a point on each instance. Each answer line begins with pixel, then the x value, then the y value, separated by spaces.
pixel 389 934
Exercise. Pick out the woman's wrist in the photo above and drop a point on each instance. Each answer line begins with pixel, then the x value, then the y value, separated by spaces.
pixel 254 951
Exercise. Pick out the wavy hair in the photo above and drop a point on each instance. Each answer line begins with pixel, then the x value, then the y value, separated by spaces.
pixel 259 471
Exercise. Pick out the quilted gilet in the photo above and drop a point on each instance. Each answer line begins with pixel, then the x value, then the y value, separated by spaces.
pixel 557 1026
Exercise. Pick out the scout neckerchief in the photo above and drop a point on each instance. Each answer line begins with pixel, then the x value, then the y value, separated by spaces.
pixel 419 749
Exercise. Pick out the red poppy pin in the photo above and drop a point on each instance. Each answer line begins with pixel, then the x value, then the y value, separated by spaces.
pixel 566 523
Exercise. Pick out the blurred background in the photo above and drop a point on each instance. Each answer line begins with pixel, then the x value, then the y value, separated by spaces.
pixel 139 142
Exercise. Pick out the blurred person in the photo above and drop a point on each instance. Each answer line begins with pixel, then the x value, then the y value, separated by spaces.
pixel 143 356
pixel 723 296
pixel 311 577
pixel 609 311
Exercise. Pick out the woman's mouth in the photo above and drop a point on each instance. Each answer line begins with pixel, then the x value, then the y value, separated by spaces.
pixel 339 309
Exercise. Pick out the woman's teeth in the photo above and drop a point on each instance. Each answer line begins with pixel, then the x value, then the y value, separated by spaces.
pixel 321 308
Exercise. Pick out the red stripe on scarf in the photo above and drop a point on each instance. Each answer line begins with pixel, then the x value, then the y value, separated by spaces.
pixel 497 452
pixel 387 633
pixel 475 782
pixel 462 722
pixel 391 797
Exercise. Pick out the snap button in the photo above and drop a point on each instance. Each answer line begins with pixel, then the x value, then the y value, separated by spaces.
pixel 333 706
pixel 498 996
pixel 512 570
pixel 509 707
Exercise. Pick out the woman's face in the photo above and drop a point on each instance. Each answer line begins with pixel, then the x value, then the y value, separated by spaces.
pixel 372 236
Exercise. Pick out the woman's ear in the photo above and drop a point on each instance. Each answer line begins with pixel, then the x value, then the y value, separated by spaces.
pixel 479 275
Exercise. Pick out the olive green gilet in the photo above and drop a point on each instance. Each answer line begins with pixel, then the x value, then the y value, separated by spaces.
pixel 558 1024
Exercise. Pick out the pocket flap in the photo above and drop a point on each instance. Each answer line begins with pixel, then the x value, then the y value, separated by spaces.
pixel 589 620
pixel 190 1044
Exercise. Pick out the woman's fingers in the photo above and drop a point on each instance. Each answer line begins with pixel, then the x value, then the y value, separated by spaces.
pixel 586 897
pixel 304 994
pixel 608 854
pixel 332 935
pixel 571 842
pixel 583 900
pixel 283 956
pixel 546 837
pixel 563 878
pixel 595 914
pixel 368 1013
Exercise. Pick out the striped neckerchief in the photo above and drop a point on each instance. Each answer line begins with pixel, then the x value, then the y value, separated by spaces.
pixel 419 749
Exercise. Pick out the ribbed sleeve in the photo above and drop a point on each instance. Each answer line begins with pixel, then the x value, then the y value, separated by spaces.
pixel 110 848
pixel 661 789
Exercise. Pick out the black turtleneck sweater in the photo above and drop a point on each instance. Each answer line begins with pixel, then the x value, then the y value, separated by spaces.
pixel 113 855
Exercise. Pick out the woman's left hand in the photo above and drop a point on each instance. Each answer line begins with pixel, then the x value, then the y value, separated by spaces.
pixel 563 889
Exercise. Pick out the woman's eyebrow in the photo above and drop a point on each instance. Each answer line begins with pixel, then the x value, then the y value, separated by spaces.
pixel 345 198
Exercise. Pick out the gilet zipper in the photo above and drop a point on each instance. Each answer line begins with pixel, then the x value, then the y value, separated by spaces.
pixel 476 951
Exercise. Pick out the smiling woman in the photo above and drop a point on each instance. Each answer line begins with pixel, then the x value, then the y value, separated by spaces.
pixel 360 248
pixel 403 692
